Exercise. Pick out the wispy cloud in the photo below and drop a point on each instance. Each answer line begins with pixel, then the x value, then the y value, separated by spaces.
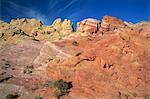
pixel 67 6
pixel 52 4
pixel 53 9
pixel 15 9
pixel 56 10
pixel 75 15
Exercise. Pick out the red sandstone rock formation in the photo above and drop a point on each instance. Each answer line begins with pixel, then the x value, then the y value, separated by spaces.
pixel 88 26
pixel 114 65
pixel 111 23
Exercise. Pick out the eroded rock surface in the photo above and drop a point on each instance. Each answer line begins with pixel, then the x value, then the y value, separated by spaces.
pixel 111 23
pixel 21 30
pixel 110 66
pixel 88 26
pixel 102 60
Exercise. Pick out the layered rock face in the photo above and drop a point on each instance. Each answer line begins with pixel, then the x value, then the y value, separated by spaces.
pixel 107 25
pixel 111 23
pixel 109 66
pixel 88 26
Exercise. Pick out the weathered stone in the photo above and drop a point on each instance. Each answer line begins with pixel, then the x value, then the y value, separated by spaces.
pixel 88 26
pixel 103 67
pixel 111 23
pixel 27 25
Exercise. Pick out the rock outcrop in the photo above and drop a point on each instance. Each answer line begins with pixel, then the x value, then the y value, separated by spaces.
pixel 88 26
pixel 111 23
pixel 26 25
pixel 143 29
pixel 100 67
pixel 64 28
pixel 56 31
pixel 20 30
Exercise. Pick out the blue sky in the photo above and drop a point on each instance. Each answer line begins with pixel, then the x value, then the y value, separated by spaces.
pixel 75 10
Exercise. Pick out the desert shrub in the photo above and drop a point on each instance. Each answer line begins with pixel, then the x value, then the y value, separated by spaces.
pixel 6 65
pixel 38 97
pixel 75 43
pixel 50 58
pixel 62 87
pixel 35 87
pixel 28 70
pixel 78 53
pixel 18 31
pixel 40 28
pixel 12 96
pixel 146 97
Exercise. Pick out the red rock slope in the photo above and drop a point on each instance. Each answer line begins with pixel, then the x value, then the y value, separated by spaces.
pixel 105 67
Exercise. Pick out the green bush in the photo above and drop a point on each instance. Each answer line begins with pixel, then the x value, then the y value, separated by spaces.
pixel 12 96
pixel 61 86
pixel 38 97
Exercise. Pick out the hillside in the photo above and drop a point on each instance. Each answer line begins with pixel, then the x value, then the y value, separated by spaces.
pixel 107 59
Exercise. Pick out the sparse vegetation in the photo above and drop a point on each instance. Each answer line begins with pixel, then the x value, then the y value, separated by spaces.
pixel 38 97
pixel 50 58
pixel 78 53
pixel 19 31
pixel 75 43
pixel 34 86
pixel 61 87
pixel 40 28
pixel 6 65
pixel 28 70
pixel 147 97
pixel 12 96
